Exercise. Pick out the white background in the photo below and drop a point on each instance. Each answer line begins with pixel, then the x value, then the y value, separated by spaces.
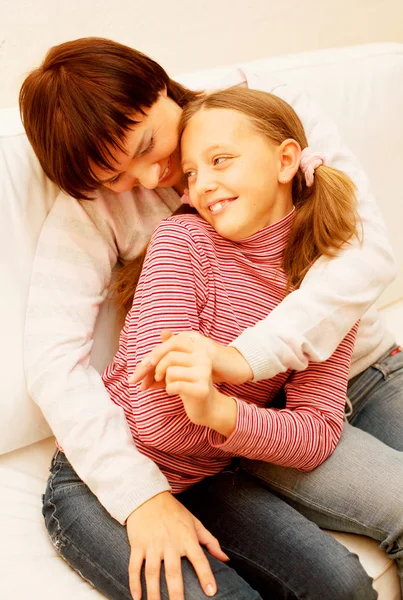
pixel 184 35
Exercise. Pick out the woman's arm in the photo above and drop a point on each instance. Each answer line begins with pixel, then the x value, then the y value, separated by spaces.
pixel 70 277
pixel 301 436
pixel 310 323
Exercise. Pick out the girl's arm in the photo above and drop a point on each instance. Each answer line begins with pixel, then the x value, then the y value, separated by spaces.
pixel 70 277
pixel 310 323
pixel 170 294
pixel 307 431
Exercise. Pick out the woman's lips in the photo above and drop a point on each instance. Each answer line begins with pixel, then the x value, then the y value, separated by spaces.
pixel 167 172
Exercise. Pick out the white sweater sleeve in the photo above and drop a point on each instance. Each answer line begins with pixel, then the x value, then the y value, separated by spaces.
pixel 71 272
pixel 311 322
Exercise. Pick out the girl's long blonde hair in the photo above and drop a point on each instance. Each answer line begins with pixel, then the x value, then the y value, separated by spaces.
pixel 325 217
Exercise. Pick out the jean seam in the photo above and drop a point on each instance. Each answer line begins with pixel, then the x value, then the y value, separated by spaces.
pixel 59 540
pixel 56 537
pixel 67 542
pixel 321 509
pixel 272 574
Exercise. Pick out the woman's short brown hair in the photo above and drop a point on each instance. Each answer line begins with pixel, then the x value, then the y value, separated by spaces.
pixel 79 104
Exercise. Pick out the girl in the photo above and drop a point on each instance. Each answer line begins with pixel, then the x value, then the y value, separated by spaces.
pixel 78 109
pixel 200 274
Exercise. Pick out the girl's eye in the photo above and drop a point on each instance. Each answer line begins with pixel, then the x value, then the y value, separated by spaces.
pixel 219 160
pixel 189 174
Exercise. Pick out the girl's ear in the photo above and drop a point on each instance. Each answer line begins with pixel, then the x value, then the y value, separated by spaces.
pixel 289 155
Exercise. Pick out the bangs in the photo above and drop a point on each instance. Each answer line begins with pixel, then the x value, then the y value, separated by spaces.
pixel 88 142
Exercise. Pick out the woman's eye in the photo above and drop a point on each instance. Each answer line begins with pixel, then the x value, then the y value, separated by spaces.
pixel 115 179
pixel 149 147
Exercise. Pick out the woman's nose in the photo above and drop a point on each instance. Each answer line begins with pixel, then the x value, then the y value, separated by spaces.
pixel 148 176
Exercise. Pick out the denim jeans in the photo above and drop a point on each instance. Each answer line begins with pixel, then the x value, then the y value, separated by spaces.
pixel 273 548
pixel 359 489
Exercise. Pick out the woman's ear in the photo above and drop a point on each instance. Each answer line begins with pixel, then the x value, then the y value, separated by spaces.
pixel 289 155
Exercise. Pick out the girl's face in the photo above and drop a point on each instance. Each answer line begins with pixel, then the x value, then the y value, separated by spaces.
pixel 151 155
pixel 235 175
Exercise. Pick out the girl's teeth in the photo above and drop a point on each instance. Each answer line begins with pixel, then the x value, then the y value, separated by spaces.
pixel 216 207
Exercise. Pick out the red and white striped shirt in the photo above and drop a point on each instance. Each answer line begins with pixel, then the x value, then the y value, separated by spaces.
pixel 194 279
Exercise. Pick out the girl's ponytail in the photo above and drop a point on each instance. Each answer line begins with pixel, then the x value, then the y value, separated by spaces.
pixel 325 220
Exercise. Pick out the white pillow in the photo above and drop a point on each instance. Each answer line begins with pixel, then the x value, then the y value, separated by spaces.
pixel 360 87
pixel 26 196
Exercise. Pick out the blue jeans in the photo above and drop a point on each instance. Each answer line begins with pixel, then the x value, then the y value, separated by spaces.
pixel 359 489
pixel 273 548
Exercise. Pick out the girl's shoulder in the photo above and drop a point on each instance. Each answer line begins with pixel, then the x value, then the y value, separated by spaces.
pixel 189 229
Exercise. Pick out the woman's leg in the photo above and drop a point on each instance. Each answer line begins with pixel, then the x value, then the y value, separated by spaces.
pixel 377 399
pixel 358 489
pixel 96 545
pixel 279 552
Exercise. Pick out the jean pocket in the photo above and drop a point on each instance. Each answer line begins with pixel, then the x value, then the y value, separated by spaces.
pixel 392 365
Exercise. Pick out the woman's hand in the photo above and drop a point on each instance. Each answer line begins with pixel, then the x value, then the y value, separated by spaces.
pixel 162 529
pixel 228 365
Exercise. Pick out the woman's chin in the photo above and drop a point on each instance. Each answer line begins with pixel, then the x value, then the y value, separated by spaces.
pixel 177 181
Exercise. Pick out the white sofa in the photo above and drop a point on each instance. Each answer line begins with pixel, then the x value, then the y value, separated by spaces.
pixel 362 89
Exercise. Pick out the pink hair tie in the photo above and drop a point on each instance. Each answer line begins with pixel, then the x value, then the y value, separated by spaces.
pixel 309 162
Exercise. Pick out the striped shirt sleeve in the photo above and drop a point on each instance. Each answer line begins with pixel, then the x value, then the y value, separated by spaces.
pixel 171 291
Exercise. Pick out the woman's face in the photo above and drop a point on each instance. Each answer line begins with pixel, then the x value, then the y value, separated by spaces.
pixel 151 154
pixel 234 174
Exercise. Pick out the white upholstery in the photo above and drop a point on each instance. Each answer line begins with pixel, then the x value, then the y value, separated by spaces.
pixel 362 89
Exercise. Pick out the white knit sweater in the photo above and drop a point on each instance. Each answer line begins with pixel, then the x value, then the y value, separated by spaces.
pixel 77 250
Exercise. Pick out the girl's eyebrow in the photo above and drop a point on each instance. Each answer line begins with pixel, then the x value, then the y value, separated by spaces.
pixel 222 146
pixel 135 155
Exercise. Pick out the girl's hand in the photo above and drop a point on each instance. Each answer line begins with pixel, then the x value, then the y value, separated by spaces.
pixel 188 373
pixel 162 529
pixel 228 365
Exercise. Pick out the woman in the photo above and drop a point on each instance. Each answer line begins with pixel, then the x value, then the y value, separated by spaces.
pixel 71 111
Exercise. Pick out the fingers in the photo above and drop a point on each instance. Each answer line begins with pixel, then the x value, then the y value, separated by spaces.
pixel 149 362
pixel 141 371
pixel 179 359
pixel 182 342
pixel 147 382
pixel 152 573
pixel 210 542
pixel 203 570
pixel 135 565
pixel 166 334
pixel 185 389
pixel 173 575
